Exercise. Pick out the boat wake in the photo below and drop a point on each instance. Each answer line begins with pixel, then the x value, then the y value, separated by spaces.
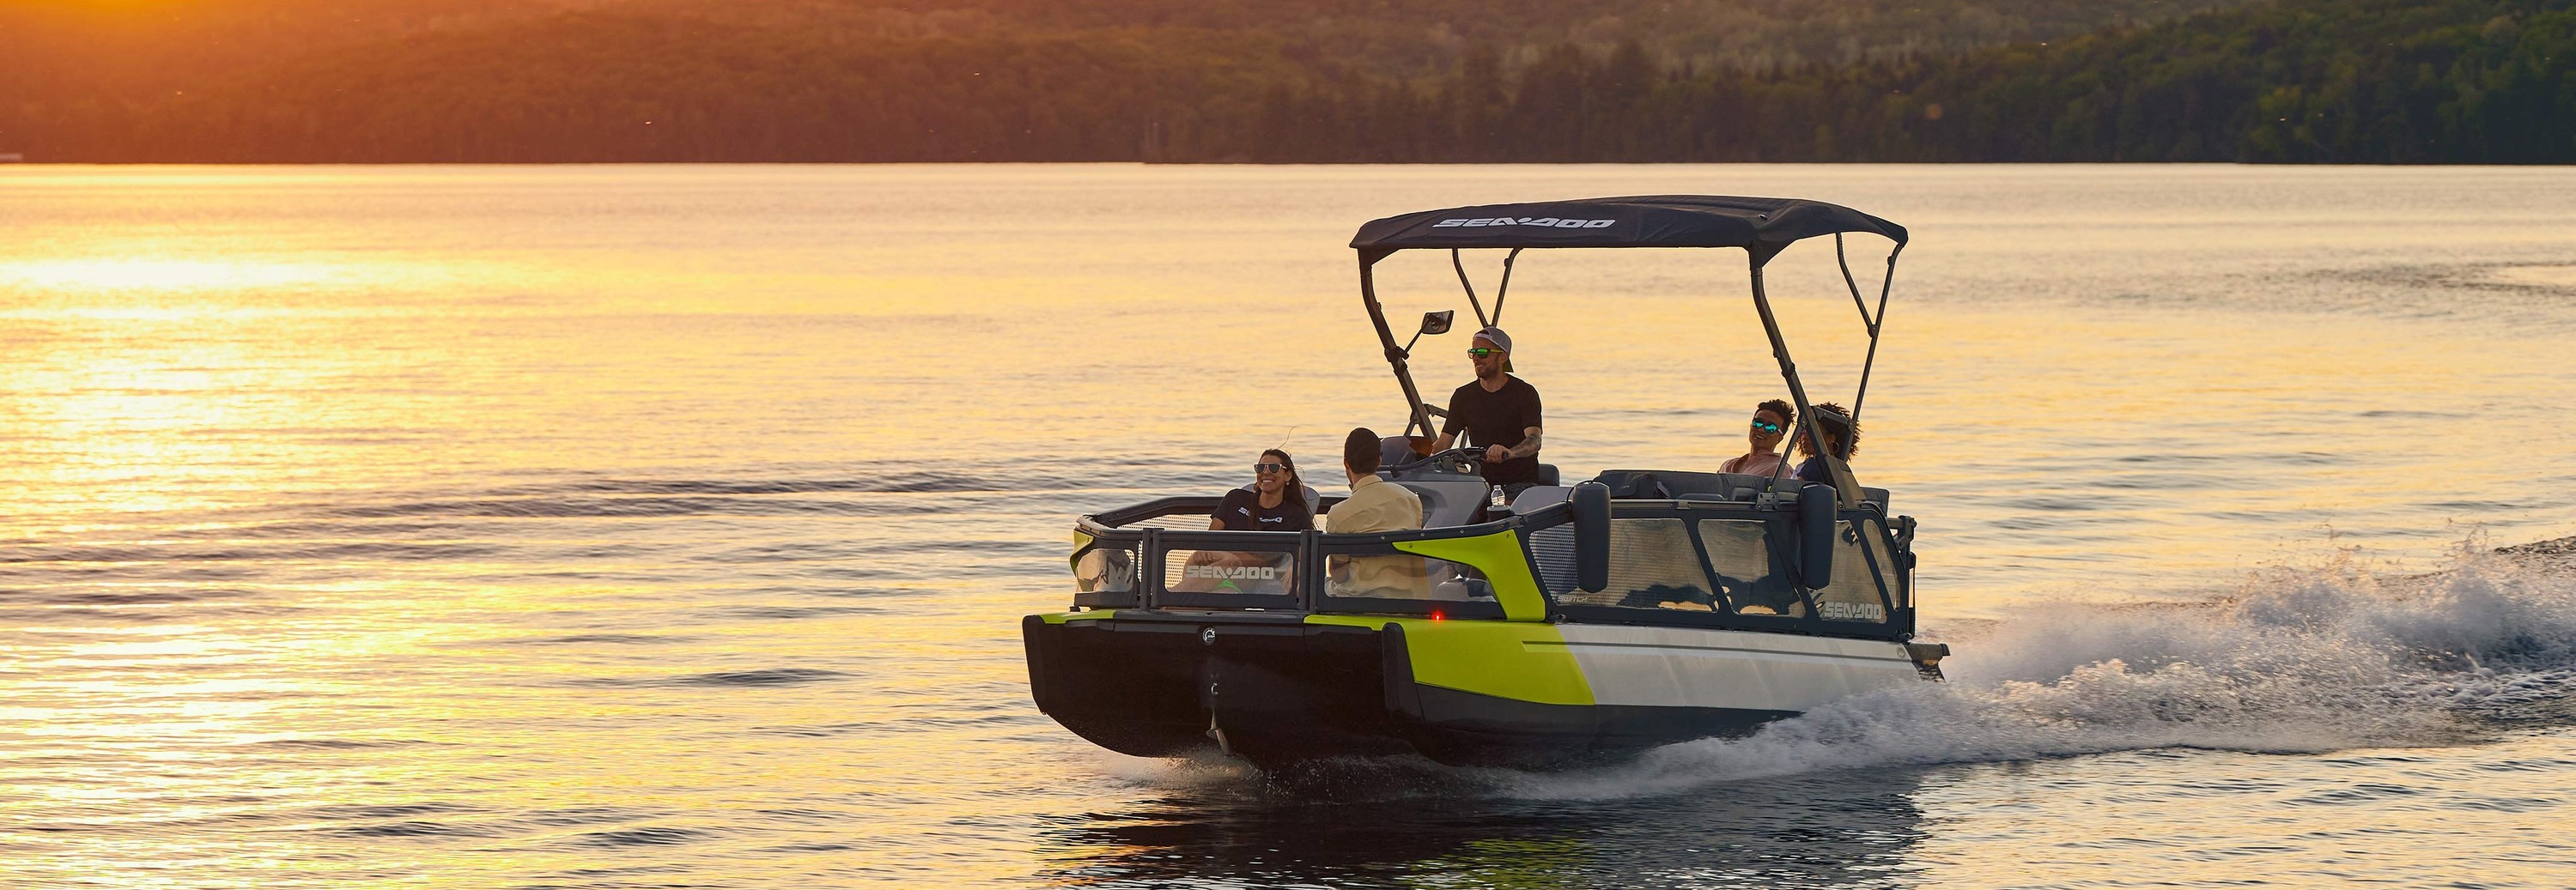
pixel 2317 659
pixel 2296 661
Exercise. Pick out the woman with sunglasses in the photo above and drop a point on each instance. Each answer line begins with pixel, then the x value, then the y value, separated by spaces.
pixel 1274 502
pixel 1770 422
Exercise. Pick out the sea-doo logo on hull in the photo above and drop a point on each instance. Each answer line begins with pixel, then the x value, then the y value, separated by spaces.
pixel 1832 611
pixel 1538 222
pixel 1232 573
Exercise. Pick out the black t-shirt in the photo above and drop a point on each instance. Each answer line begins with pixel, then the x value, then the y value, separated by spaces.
pixel 1241 511
pixel 1501 417
pixel 1814 470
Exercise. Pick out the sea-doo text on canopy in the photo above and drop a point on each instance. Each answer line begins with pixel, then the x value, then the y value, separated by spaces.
pixel 1639 608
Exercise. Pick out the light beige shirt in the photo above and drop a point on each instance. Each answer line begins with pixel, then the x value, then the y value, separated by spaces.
pixel 1376 505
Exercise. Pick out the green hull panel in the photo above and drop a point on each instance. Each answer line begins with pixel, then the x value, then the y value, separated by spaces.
pixel 1505 659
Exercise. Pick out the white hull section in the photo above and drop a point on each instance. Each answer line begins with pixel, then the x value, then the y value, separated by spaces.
pixel 1691 667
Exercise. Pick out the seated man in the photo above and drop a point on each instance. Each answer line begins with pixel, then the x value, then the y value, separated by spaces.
pixel 1375 505
pixel 1770 424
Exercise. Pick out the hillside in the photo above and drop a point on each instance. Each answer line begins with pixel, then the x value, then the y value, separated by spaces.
pixel 1296 80
pixel 2323 81
pixel 168 39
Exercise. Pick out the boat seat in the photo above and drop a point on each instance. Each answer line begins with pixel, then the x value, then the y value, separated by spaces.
pixel 1747 486
pixel 1394 452
pixel 1541 497
pixel 1656 485
pixel 1314 501
pixel 1449 502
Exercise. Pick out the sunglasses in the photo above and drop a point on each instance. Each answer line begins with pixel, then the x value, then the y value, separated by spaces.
pixel 1766 426
pixel 1269 468
pixel 1481 352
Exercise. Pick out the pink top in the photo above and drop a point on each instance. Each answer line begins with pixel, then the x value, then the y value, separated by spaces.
pixel 1756 464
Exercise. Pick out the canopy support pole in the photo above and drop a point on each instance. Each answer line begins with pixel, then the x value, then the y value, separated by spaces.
pixel 1506 288
pixel 1845 263
pixel 1417 414
pixel 1788 371
pixel 1461 266
pixel 1843 484
pixel 1883 287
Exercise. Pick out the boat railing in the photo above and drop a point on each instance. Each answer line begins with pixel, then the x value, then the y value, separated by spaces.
pixel 1159 554
pixel 1729 564
pixel 1737 565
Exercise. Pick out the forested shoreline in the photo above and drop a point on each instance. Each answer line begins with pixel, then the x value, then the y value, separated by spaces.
pixel 2300 81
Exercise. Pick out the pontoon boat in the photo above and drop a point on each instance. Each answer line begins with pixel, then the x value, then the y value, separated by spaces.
pixel 1634 609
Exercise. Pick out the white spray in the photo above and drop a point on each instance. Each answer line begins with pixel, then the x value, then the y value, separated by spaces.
pixel 2297 661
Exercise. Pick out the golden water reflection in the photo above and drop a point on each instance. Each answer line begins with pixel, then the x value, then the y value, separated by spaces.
pixel 97 277
pixel 480 527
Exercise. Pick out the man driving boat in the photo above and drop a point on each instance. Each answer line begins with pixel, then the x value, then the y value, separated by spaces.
pixel 1497 411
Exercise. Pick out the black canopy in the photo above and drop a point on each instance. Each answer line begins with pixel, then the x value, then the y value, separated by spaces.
pixel 1762 226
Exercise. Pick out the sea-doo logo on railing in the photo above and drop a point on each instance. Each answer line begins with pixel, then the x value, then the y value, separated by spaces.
pixel 1232 573
pixel 1539 222
pixel 1832 611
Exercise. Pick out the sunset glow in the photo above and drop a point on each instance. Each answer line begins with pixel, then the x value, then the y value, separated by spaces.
pixel 112 276
pixel 474 526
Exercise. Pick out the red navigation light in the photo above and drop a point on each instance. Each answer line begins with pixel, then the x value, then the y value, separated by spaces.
pixel 1437 615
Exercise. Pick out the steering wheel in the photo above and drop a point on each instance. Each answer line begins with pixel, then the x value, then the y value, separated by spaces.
pixel 1462 461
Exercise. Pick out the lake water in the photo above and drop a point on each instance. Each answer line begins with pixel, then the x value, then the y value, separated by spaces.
pixel 670 526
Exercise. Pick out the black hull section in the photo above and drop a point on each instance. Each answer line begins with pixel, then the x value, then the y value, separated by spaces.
pixel 1467 729
pixel 1274 690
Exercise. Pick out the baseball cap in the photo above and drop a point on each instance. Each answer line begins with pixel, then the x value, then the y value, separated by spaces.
pixel 1502 341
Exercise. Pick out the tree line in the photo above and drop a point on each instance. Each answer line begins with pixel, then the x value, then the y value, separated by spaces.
pixel 2340 81
pixel 2309 81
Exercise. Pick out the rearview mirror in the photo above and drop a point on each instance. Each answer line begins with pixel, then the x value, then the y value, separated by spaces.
pixel 1432 323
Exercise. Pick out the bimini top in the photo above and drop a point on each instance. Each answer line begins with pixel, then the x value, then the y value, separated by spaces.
pixel 1762 226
